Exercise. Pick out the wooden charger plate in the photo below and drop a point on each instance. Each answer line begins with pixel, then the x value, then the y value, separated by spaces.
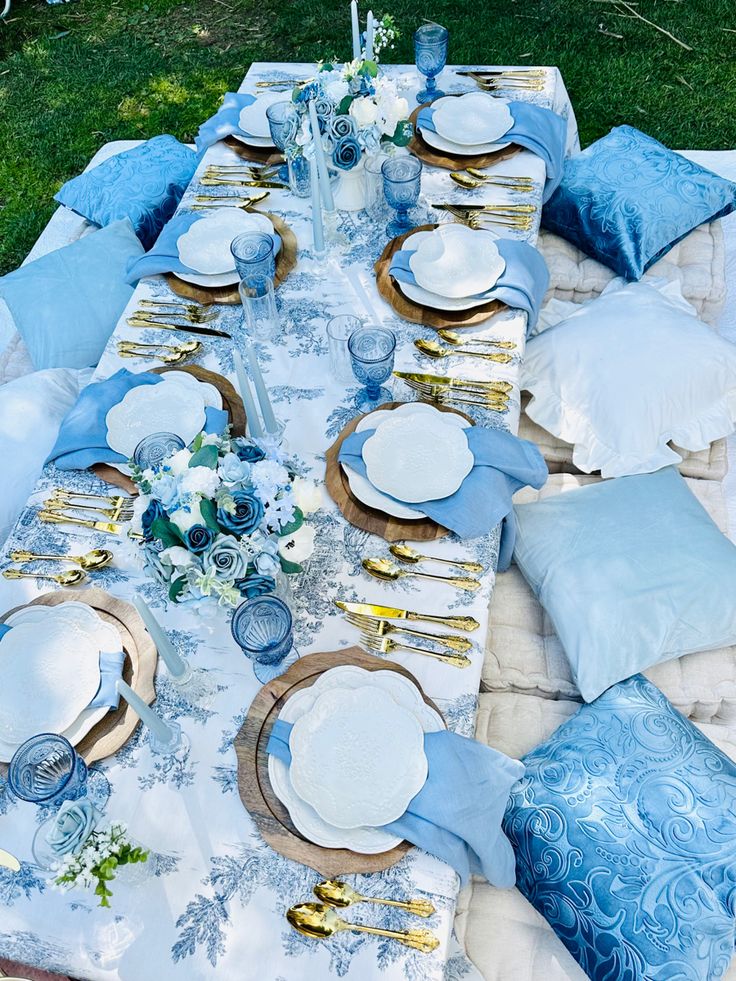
pixel 271 817
pixel 369 519
pixel 139 667
pixel 437 158
pixel 229 295
pixel 231 402
pixel 256 154
pixel 427 316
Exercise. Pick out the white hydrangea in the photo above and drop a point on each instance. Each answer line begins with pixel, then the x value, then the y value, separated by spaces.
pixel 199 480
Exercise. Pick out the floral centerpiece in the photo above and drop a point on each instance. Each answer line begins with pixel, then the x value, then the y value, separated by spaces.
pixel 222 519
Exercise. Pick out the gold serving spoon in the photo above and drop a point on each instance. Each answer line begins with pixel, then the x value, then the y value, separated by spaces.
pixel 452 337
pixel 433 350
pixel 388 572
pixel 98 558
pixel 340 894
pixel 406 554
pixel 72 577
pixel 319 921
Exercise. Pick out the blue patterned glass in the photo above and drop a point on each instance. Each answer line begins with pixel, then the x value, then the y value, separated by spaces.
pixel 263 629
pixel 300 182
pixel 144 184
pixel 430 55
pixel 46 769
pixel 624 829
pixel 283 122
pixel 254 256
pixel 627 199
pixel 153 449
pixel 402 182
pixel 372 357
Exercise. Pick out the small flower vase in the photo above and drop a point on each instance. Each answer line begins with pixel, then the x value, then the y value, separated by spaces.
pixel 350 191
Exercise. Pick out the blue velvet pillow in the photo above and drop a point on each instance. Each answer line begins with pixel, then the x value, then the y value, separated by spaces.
pixel 627 199
pixel 67 303
pixel 144 184
pixel 624 828
pixel 632 571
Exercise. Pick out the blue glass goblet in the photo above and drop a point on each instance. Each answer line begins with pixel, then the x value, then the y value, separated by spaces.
pixel 372 357
pixel 153 449
pixel 263 629
pixel 430 55
pixel 283 123
pixel 46 769
pixel 253 255
pixel 402 181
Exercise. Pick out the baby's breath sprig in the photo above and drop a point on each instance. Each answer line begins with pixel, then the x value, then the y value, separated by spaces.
pixel 98 861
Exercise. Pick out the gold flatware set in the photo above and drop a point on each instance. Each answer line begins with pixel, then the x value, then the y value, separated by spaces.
pixel 452 337
pixel 204 202
pixel 119 507
pixel 116 509
pixel 432 349
pixel 146 320
pixel 518 79
pixel 480 216
pixel 225 181
pixel 442 389
pixel 256 172
pixel 61 518
pixel 472 177
pixel 454 620
pixel 166 353
pixel 282 83
pixel 388 571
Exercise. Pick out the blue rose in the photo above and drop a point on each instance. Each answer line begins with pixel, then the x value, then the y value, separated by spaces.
pixel 255 585
pixel 233 470
pixel 198 538
pixel 340 126
pixel 152 512
pixel 249 452
pixel 225 558
pixel 347 153
pixel 246 517
pixel 306 93
pixel 74 823
pixel 166 490
pixel 266 564
pixel 370 139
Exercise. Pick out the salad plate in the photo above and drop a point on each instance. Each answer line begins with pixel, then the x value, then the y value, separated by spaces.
pixel 169 407
pixel 253 120
pixel 473 119
pixel 455 261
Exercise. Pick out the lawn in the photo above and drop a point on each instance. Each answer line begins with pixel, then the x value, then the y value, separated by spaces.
pixel 74 76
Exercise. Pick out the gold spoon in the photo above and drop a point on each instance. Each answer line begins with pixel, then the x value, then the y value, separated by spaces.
pixel 186 347
pixel 9 861
pixel 452 337
pixel 433 350
pixel 388 572
pixel 406 554
pixel 471 183
pixel 98 558
pixel 163 358
pixel 340 894
pixel 481 175
pixel 320 922
pixel 72 577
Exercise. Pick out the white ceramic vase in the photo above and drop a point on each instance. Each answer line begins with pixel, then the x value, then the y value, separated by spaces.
pixel 350 191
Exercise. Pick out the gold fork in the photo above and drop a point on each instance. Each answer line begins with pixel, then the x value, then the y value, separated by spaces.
pixel 378 627
pixel 112 513
pixel 498 402
pixel 447 398
pixel 472 220
pixel 123 506
pixel 192 308
pixel 114 500
pixel 384 645
pixel 473 384
pixel 199 317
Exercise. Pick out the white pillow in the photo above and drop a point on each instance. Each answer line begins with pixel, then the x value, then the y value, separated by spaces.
pixel 31 411
pixel 628 372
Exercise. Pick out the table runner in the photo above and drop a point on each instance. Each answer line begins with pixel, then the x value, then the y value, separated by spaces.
pixel 216 901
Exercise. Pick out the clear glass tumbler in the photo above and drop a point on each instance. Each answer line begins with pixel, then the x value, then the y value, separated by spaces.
pixel 259 307
pixel 339 330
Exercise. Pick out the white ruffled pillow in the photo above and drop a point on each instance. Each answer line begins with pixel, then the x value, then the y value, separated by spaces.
pixel 628 372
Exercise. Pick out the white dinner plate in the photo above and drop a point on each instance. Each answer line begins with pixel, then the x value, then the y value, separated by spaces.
pixel 456 261
pixel 168 407
pixel 253 120
pixel 472 119
pixel 205 246
pixel 457 149
pixel 210 282
pixel 260 142
pixel 209 393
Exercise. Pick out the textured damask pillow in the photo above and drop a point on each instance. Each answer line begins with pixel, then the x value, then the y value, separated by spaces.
pixel 624 829
pixel 144 184
pixel 627 199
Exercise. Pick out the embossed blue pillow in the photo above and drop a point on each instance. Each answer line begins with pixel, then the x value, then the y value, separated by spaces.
pixel 624 829
pixel 627 199
pixel 144 184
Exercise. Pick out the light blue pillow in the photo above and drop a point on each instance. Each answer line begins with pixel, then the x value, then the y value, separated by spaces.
pixel 624 828
pixel 67 303
pixel 632 572
pixel 144 184
pixel 627 199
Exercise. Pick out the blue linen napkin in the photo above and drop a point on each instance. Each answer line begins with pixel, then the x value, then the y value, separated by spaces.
pixel 82 437
pixel 164 256
pixel 503 465
pixel 3 630
pixel 522 284
pixel 537 129
pixel 457 814
pixel 226 120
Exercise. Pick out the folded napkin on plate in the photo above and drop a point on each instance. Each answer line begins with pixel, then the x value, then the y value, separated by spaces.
pixel 503 465
pixel 457 814
pixel 537 129
pixel 226 120
pixel 164 256
pixel 82 439
pixel 521 285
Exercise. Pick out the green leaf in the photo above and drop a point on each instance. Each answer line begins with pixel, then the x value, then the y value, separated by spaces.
pixel 209 514
pixel 205 457
pixel 295 524
pixel 345 103
pixel 369 68
pixel 290 568
pixel 166 532
pixel 196 443
pixel 176 588
pixel 403 133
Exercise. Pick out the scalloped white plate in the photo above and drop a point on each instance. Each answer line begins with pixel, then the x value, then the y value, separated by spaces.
pixel 205 246
pixel 472 119
pixel 456 261
pixel 168 407
pixel 253 120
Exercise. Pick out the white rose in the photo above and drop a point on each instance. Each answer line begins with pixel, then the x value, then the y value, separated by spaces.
pixel 299 546
pixel 176 556
pixel 199 480
pixel 179 462
pixel 363 111
pixel 140 504
pixel 307 495
pixel 391 113
pixel 336 89
pixel 184 520
pixel 304 134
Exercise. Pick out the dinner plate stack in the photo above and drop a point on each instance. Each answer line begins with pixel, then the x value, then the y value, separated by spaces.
pixel 50 672
pixel 401 458
pixel 253 123
pixel 454 267
pixel 205 247
pixel 357 757
pixel 468 125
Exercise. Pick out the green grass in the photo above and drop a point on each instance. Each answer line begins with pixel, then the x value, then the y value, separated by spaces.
pixel 73 77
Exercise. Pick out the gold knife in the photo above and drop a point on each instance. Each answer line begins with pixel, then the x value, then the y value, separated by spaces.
pixel 59 518
pixel 144 321
pixel 460 383
pixel 238 182
pixel 9 861
pixel 393 613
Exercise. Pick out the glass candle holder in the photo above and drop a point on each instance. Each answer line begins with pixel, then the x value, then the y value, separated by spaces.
pixel 430 56
pixel 339 330
pixel 259 307
pixel 46 769
pixel 153 449
pixel 263 629
pixel 254 256
pixel 372 356
pixel 402 182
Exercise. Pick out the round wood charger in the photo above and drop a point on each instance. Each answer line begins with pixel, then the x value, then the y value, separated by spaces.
pixel 255 154
pixel 438 158
pixel 271 817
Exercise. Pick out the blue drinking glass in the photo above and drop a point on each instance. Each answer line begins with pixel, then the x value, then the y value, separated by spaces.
pixel 253 255
pixel 372 357
pixel 430 55
pixel 46 769
pixel 153 449
pixel 402 181
pixel 283 123
pixel 263 629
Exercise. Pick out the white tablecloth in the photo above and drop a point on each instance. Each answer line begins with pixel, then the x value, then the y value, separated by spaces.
pixel 215 905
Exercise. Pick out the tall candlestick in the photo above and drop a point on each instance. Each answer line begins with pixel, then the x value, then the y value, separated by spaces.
pixel 319 156
pixel 318 232
pixel 145 713
pixel 356 29
pixel 269 419
pixel 251 413
pixel 369 29
pixel 176 665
